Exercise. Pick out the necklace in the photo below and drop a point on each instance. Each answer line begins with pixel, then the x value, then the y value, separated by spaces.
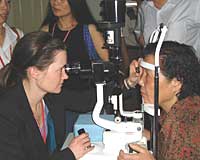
pixel 39 116
pixel 66 35
pixel 40 120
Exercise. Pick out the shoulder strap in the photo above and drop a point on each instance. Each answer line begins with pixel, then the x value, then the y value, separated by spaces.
pixel 50 27
pixel 89 44
pixel 16 32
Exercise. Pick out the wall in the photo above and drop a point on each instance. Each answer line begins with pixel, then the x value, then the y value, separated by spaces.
pixel 27 14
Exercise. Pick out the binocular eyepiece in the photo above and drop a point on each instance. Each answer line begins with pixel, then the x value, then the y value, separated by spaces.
pixel 99 71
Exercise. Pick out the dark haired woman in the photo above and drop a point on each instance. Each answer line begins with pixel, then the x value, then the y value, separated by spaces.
pixel 179 98
pixel 66 20
pixel 72 22
pixel 32 124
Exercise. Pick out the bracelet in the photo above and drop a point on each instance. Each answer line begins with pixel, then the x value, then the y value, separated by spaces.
pixel 128 85
pixel 125 84
pixel 121 33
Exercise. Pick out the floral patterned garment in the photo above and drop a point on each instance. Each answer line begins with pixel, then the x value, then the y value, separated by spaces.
pixel 179 137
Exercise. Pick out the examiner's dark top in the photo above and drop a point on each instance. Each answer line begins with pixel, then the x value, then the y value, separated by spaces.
pixel 20 137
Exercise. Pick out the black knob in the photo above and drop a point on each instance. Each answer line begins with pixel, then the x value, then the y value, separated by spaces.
pixel 80 131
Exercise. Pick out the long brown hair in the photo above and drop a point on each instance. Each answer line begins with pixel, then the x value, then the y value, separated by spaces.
pixel 34 49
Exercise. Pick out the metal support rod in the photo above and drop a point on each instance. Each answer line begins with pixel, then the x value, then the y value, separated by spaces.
pixel 155 119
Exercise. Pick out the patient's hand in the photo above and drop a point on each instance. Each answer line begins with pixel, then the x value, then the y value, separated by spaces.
pixel 146 133
pixel 143 154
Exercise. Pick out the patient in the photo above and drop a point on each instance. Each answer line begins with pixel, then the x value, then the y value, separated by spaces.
pixel 179 98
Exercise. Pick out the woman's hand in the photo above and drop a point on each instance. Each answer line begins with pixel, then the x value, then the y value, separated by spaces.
pixel 143 154
pixel 81 145
pixel 134 73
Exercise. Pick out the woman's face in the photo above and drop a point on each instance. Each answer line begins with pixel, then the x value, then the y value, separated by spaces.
pixel 60 8
pixel 4 10
pixel 166 87
pixel 51 79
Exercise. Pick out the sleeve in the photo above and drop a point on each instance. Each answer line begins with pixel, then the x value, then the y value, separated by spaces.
pixel 181 138
pixel 66 154
pixel 10 148
pixel 197 15
pixel 139 27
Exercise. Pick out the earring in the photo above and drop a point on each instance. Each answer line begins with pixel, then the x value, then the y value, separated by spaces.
pixel 178 94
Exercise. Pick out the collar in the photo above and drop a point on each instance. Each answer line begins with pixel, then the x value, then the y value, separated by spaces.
pixel 168 2
pixel 10 36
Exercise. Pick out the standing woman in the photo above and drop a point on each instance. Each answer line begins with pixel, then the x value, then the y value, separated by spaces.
pixel 8 35
pixel 67 19
pixel 32 124
pixel 71 21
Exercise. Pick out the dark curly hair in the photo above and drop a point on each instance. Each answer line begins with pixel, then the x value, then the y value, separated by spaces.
pixel 179 61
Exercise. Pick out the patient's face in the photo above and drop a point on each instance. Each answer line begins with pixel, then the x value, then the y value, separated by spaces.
pixel 166 94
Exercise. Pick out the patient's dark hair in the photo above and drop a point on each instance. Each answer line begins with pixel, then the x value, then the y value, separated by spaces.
pixel 179 61
pixel 34 49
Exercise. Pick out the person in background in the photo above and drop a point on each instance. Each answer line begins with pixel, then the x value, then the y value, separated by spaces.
pixel 68 20
pixel 8 35
pixel 129 31
pixel 72 22
pixel 179 99
pixel 131 49
pixel 32 124
pixel 182 18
